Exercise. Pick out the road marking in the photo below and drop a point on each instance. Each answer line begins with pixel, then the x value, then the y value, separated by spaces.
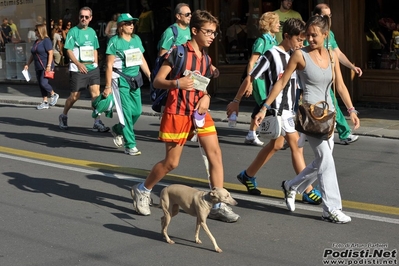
pixel 138 174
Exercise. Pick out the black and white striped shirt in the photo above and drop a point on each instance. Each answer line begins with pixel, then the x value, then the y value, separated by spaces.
pixel 270 67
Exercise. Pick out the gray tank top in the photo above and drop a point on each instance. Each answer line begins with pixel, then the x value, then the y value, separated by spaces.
pixel 315 81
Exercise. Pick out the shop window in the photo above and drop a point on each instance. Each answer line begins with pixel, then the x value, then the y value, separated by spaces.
pixel 238 29
pixel 17 34
pixel 239 26
pixel 382 34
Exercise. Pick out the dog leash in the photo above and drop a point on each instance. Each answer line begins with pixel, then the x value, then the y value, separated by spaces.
pixel 203 155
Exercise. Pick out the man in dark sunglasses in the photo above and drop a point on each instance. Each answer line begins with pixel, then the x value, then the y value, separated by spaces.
pixel 81 44
pixel 168 38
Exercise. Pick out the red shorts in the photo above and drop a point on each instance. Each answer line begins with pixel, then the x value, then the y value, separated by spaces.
pixel 179 128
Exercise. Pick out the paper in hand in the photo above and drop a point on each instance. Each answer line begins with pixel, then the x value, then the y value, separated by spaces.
pixel 26 74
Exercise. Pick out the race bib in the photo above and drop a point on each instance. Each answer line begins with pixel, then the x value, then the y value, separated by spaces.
pixel 200 82
pixel 86 53
pixel 133 57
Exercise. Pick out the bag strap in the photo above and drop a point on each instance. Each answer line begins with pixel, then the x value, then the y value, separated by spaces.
pixel 38 57
pixel 120 73
pixel 333 75
pixel 126 76
pixel 41 62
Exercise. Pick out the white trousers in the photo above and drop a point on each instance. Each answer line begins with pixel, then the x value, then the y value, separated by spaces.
pixel 323 169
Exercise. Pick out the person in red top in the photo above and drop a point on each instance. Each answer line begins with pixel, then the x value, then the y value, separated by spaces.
pixel 182 102
pixel 177 125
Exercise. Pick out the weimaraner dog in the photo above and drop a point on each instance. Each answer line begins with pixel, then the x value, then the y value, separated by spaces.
pixel 194 202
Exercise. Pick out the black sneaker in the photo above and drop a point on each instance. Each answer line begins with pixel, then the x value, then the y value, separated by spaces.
pixel 100 127
pixel 63 121
pixel 249 182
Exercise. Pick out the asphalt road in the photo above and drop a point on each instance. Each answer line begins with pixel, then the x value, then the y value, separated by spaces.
pixel 64 200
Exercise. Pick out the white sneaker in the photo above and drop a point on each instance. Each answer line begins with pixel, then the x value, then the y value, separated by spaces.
pixel 132 151
pixel 255 141
pixel 224 213
pixel 351 138
pixel 42 106
pixel 118 139
pixel 141 201
pixel 336 216
pixel 289 196
pixel 54 99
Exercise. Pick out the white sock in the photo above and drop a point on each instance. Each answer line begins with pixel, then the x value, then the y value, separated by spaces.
pixel 251 134
pixel 143 188
pixel 216 206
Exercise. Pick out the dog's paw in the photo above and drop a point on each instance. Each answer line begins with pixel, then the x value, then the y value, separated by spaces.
pixel 198 241
pixel 218 250
pixel 170 241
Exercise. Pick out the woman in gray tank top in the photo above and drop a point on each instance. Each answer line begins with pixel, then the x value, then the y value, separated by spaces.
pixel 314 65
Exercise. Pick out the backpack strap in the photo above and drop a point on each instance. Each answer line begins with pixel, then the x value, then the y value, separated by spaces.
pixel 180 59
pixel 206 61
pixel 175 34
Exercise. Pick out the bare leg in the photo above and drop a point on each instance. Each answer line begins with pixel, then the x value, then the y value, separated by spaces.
pixel 73 97
pixel 214 155
pixel 171 161
pixel 264 155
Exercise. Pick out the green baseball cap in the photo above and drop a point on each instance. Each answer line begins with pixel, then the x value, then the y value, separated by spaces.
pixel 126 17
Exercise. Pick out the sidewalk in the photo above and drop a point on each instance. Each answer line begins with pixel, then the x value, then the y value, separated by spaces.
pixel 376 122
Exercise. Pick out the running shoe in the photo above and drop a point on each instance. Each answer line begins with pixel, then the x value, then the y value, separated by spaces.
pixel 54 99
pixel 351 138
pixel 100 127
pixel 63 119
pixel 223 213
pixel 132 151
pixel 336 216
pixel 141 200
pixel 249 182
pixel 313 197
pixel 43 105
pixel 255 141
pixel 118 139
pixel 289 196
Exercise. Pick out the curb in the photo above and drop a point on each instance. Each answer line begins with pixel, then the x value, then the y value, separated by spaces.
pixel 219 116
